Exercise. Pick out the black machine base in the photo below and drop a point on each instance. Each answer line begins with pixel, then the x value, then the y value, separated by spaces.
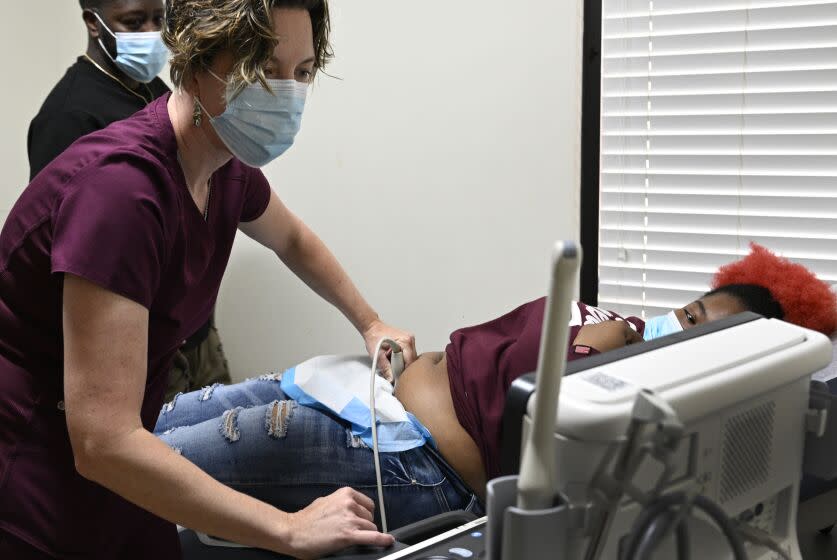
pixel 455 535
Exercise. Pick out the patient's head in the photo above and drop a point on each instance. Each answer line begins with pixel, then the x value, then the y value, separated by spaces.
pixel 764 283
pixel 729 300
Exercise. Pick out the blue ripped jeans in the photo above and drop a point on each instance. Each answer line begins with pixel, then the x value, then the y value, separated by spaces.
pixel 251 437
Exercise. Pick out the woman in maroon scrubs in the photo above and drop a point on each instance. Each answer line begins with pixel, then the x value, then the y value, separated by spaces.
pixel 114 254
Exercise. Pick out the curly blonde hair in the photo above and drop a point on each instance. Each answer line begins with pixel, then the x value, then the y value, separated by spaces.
pixel 197 30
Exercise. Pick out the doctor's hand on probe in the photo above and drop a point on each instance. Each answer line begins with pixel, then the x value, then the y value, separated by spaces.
pixel 607 335
pixel 378 330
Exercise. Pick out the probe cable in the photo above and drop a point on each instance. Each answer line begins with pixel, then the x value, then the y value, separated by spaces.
pixel 656 518
pixel 396 367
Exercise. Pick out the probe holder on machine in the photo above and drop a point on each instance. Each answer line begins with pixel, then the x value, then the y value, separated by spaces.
pixel 513 532
pixel 564 528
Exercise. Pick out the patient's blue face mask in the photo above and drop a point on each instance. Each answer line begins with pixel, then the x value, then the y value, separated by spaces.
pixel 141 56
pixel 260 125
pixel 655 327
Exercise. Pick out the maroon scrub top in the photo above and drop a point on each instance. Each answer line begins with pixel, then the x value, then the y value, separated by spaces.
pixel 484 360
pixel 113 209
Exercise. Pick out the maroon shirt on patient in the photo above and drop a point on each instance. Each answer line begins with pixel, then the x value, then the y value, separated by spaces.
pixel 114 209
pixel 484 360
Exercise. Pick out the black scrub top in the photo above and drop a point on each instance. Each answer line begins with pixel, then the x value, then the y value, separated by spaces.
pixel 83 101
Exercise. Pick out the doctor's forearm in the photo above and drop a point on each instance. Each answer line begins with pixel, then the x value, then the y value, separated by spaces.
pixel 145 471
pixel 314 264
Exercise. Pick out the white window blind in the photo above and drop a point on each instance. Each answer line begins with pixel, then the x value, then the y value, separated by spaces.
pixel 719 126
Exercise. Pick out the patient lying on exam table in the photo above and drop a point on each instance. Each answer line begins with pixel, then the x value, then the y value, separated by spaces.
pixel 252 437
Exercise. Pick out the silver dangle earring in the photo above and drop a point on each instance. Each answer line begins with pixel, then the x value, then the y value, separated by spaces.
pixel 197 114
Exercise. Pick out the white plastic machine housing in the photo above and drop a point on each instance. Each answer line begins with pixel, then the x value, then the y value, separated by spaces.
pixel 742 394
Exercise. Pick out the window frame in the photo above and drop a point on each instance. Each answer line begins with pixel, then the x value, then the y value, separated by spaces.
pixel 590 150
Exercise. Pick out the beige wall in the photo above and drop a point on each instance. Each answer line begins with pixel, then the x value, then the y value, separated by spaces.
pixel 439 168
pixel 40 40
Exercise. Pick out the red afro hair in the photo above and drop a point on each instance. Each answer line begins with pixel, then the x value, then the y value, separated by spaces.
pixel 806 300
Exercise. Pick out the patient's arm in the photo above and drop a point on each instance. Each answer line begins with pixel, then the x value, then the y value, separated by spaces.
pixel 607 335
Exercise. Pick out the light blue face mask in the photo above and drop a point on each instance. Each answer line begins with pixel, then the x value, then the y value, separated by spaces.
pixel 655 327
pixel 141 56
pixel 260 125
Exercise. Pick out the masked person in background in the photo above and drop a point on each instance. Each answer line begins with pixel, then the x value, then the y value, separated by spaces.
pixel 114 254
pixel 114 79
